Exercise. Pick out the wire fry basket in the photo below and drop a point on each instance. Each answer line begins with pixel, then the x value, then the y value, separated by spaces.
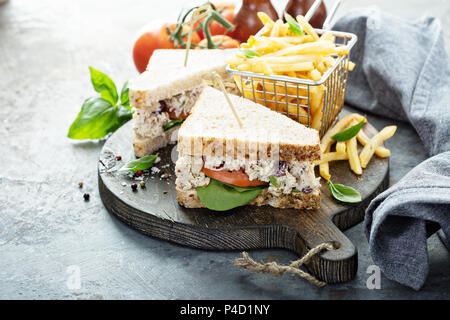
pixel 298 98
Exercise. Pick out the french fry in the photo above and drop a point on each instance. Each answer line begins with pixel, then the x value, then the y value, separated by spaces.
pixel 369 149
pixel 321 48
pixel 321 67
pixel 380 151
pixel 244 67
pixel 353 158
pixel 331 156
pixel 317 119
pixel 315 75
pixel 341 147
pixel 307 28
pixel 350 66
pixel 315 100
pixel 264 18
pixel 341 50
pixel 280 52
pixel 339 126
pixel 324 168
pixel 327 36
pixel 352 151
pixel 288 59
pixel 300 66
pixel 294 40
pixel 276 28
pixel 284 30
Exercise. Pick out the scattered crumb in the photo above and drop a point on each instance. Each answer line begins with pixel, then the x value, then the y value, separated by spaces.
pixel 165 176
pixel 157 160
pixel 80 184
pixel 155 170
pixel 124 184
pixel 165 192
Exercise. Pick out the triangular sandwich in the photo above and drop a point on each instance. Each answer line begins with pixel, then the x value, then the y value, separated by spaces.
pixel 164 94
pixel 267 161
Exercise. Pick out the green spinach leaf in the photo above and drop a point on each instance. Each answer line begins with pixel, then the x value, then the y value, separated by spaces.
pixel 140 164
pixel 344 193
pixel 250 53
pixel 274 182
pixel 348 133
pixel 172 123
pixel 220 196
pixel 293 24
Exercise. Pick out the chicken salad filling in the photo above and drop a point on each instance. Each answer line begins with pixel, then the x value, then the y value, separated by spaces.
pixel 280 176
pixel 152 122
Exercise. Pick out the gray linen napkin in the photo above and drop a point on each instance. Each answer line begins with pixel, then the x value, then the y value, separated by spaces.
pixel 403 73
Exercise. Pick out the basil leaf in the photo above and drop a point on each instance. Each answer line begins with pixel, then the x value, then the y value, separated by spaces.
pixel 274 182
pixel 295 190
pixel 349 133
pixel 293 24
pixel 140 164
pixel 221 197
pixel 104 85
pixel 344 193
pixel 125 96
pixel 250 53
pixel 172 123
pixel 123 115
pixel 95 120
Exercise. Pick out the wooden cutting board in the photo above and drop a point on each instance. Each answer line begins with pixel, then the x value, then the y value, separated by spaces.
pixel 154 211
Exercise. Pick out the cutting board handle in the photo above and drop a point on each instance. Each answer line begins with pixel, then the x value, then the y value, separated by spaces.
pixel 313 227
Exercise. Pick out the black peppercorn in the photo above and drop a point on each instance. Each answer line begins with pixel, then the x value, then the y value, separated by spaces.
pixel 86 196
pixel 134 186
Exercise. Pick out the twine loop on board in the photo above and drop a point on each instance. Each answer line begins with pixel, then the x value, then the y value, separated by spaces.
pixel 277 270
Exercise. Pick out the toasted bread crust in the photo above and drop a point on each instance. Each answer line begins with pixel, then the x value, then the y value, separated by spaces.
pixel 144 146
pixel 166 76
pixel 212 146
pixel 209 146
pixel 189 199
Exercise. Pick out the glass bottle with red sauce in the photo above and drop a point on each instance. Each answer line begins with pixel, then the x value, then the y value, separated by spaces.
pixel 246 20
pixel 301 7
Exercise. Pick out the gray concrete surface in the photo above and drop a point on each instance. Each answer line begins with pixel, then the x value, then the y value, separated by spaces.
pixel 45 226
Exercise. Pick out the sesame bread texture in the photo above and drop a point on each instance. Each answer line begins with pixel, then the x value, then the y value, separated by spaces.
pixel 189 199
pixel 166 75
pixel 212 130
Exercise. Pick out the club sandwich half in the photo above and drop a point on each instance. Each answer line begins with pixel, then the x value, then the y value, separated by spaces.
pixel 266 161
pixel 164 94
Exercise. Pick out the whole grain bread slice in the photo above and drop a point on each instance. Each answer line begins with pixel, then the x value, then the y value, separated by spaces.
pixel 166 75
pixel 189 199
pixel 212 130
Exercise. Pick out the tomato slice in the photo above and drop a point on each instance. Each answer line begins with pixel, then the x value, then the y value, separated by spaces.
pixel 172 115
pixel 236 177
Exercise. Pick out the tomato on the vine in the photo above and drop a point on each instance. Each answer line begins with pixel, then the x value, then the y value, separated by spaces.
pixel 155 36
pixel 226 9
pixel 236 177
pixel 225 42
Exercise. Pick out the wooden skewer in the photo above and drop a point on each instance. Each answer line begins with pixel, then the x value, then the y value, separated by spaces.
pixel 194 17
pixel 219 82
